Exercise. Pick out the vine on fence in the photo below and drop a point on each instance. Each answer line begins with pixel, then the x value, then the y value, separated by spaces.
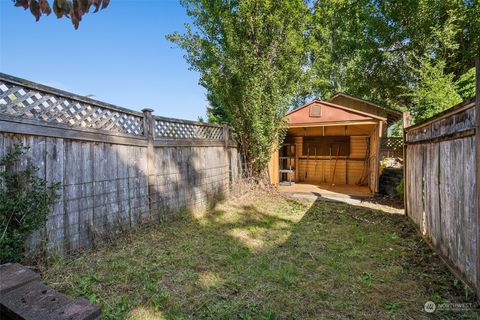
pixel 25 201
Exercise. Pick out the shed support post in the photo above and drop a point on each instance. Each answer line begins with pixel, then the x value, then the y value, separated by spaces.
pixel 376 166
pixel 149 126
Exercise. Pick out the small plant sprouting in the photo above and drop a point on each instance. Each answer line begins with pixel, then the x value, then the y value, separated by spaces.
pixel 25 201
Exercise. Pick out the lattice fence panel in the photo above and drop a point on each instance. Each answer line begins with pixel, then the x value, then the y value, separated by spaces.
pixel 391 147
pixel 186 130
pixel 391 143
pixel 24 102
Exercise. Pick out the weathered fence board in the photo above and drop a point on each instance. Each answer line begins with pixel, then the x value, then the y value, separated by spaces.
pixel 100 154
pixel 440 187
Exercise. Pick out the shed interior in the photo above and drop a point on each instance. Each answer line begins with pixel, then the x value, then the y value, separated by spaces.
pixel 328 154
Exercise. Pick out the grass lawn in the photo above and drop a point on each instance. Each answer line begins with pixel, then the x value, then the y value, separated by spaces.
pixel 265 256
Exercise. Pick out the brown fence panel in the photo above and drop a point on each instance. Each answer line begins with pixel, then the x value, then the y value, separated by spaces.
pixel 440 187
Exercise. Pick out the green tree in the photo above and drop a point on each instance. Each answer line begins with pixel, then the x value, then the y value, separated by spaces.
pixel 215 111
pixel 466 84
pixel 251 56
pixel 434 91
pixel 364 47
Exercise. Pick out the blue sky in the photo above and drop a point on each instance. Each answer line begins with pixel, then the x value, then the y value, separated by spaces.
pixel 120 55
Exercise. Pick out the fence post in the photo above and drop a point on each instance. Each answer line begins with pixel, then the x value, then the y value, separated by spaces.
pixel 226 162
pixel 225 135
pixel 477 165
pixel 149 127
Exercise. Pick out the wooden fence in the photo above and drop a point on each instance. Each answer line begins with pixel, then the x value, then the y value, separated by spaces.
pixel 441 186
pixel 118 168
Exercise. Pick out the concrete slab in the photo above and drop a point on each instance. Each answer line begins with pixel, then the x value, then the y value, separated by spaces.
pixel 350 194
pixel 327 190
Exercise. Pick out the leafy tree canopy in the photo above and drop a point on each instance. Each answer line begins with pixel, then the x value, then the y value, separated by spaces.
pixel 434 90
pixel 73 9
pixel 369 48
pixel 466 84
pixel 251 57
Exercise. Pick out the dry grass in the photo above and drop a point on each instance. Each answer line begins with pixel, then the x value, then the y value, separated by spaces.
pixel 265 256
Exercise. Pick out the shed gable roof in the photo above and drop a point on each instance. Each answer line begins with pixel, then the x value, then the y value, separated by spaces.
pixel 330 113
pixel 391 114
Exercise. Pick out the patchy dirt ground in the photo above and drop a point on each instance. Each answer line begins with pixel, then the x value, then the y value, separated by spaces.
pixel 384 203
pixel 266 256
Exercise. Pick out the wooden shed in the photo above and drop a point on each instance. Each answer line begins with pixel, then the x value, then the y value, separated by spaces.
pixel 333 143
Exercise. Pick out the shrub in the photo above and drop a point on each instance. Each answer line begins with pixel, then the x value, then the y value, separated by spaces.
pixel 400 188
pixel 25 201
